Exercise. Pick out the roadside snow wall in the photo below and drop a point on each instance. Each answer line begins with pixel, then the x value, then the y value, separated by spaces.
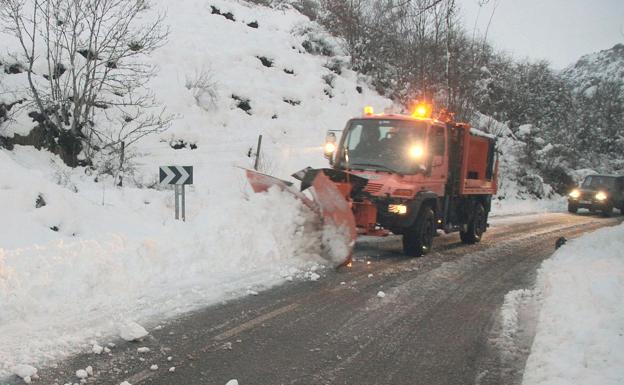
pixel 580 332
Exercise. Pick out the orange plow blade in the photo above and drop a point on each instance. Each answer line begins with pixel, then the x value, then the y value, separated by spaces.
pixel 262 182
pixel 339 231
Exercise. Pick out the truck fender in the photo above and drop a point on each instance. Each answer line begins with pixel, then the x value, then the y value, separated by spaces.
pixel 414 206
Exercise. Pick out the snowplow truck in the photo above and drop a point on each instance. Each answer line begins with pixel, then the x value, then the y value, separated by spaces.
pixel 409 175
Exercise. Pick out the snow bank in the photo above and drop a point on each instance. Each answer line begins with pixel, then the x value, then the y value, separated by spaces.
pixel 111 265
pixel 580 332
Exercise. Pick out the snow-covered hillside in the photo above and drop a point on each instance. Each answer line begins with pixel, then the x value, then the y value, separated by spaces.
pixel 79 258
pixel 594 68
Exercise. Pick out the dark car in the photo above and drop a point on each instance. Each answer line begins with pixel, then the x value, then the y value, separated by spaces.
pixel 598 193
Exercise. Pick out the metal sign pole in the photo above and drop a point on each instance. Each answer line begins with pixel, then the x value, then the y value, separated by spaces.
pixel 183 205
pixel 178 176
pixel 177 202
pixel 258 149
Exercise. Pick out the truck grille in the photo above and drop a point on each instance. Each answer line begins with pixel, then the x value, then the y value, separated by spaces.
pixel 373 187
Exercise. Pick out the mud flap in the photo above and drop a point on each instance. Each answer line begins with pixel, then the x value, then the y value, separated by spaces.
pixel 339 231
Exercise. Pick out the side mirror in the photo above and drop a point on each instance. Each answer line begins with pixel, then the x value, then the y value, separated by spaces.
pixel 330 146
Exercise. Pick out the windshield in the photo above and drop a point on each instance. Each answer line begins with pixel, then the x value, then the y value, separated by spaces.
pixel 389 145
pixel 597 182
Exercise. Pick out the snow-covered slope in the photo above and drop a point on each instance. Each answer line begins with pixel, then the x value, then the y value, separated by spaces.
pixel 79 257
pixel 591 69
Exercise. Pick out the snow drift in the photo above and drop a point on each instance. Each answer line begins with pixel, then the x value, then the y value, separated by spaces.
pixel 580 332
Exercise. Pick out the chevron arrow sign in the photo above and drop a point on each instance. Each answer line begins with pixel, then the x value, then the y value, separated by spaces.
pixel 176 175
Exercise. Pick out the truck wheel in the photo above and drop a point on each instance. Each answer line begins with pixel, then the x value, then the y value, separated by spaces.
pixel 607 211
pixel 572 208
pixel 417 240
pixel 476 227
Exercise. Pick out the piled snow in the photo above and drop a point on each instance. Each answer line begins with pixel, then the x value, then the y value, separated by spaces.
pixel 580 332
pixel 132 331
pixel 26 372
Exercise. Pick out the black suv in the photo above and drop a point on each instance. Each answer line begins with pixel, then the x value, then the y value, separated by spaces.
pixel 598 193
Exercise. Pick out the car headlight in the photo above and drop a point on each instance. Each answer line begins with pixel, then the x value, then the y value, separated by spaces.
pixel 600 196
pixel 575 194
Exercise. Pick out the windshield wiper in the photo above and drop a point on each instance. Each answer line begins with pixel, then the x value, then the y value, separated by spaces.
pixel 385 168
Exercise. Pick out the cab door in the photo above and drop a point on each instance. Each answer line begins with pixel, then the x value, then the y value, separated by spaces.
pixel 438 164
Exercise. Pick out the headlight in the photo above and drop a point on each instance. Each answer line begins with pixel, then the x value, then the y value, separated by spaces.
pixel 397 209
pixel 575 194
pixel 330 147
pixel 416 151
pixel 600 196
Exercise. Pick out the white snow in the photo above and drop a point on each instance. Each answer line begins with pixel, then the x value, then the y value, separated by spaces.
pixel 24 371
pixel 172 369
pixel 82 373
pixel 381 294
pixel 143 349
pixel 580 331
pixel 132 331
pixel 97 349
pixel 232 382
pixel 125 383
pixel 509 312
pixel 154 367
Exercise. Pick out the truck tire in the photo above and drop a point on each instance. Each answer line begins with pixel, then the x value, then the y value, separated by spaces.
pixel 417 239
pixel 607 211
pixel 476 227
pixel 572 208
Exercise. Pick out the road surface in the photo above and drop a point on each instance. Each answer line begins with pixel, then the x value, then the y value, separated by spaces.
pixel 436 324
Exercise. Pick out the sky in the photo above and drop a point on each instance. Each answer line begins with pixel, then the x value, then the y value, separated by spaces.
pixel 560 31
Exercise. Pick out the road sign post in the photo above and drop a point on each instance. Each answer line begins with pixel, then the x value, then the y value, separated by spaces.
pixel 178 176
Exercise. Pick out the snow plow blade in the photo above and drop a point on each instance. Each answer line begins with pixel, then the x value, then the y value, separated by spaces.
pixel 339 231
pixel 262 182
pixel 338 224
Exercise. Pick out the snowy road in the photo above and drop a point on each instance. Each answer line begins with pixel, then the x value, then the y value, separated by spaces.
pixel 433 325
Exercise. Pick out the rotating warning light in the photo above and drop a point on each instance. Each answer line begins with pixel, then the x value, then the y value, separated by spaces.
pixel 422 110
pixel 368 110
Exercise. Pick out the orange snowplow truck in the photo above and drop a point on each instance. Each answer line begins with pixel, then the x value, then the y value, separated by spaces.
pixel 404 174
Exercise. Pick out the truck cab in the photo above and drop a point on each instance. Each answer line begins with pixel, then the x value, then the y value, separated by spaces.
pixel 417 175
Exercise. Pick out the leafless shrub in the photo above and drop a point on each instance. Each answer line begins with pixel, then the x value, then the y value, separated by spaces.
pixel 94 51
pixel 204 88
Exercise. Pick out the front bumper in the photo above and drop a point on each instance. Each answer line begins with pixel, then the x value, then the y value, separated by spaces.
pixel 591 204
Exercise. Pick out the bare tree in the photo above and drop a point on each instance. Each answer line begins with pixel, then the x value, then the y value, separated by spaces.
pixel 93 52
